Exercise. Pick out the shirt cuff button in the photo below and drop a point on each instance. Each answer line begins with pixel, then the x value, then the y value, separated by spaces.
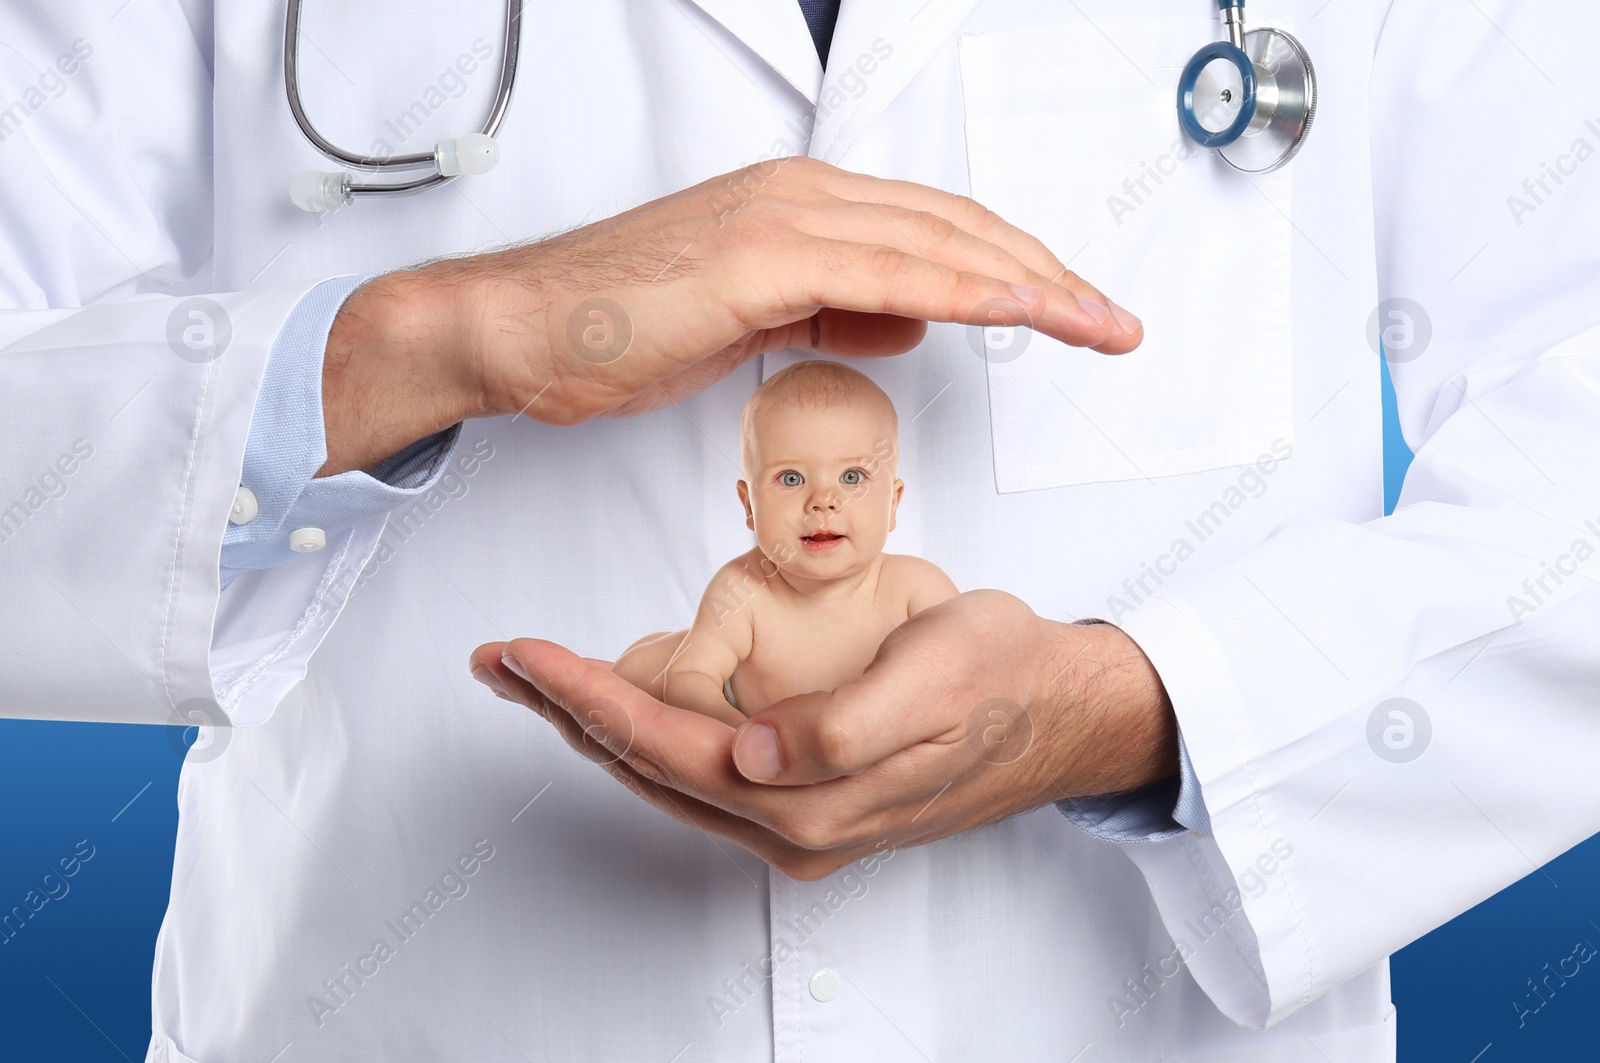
pixel 307 540
pixel 244 506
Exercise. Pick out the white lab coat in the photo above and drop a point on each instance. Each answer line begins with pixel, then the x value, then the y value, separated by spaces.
pixel 1218 493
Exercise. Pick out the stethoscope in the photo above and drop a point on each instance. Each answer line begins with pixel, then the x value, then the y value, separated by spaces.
pixel 473 153
pixel 1251 98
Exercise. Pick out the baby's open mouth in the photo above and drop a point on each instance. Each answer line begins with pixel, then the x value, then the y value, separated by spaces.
pixel 822 537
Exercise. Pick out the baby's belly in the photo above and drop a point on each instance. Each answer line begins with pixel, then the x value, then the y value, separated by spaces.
pixel 764 678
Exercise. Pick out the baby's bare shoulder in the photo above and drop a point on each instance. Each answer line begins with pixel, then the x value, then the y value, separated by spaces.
pixel 745 576
pixel 914 581
pixel 908 568
pixel 736 592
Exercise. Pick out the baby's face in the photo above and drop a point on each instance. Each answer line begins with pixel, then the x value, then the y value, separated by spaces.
pixel 821 495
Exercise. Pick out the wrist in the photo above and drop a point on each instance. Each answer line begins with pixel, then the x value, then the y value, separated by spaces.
pixel 394 371
pixel 1123 733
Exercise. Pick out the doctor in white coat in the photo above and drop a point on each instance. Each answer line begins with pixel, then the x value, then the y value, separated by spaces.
pixel 244 486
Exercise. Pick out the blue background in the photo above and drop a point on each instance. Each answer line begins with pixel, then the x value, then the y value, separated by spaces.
pixel 75 982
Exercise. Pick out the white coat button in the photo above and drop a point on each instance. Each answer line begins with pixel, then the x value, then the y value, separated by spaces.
pixel 244 506
pixel 824 985
pixel 307 540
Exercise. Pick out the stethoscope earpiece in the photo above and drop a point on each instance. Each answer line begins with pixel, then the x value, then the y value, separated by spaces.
pixel 473 154
pixel 1251 98
pixel 317 192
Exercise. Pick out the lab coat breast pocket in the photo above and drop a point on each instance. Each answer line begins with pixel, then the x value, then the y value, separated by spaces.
pixel 1072 135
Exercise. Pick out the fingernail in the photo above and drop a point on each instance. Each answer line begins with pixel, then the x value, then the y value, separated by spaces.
pixel 1129 323
pixel 486 677
pixel 756 753
pixel 1093 307
pixel 1027 293
pixel 516 666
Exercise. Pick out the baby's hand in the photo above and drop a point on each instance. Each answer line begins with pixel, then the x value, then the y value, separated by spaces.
pixel 644 664
pixel 700 691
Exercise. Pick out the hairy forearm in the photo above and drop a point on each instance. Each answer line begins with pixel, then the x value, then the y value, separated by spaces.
pixel 396 370
pixel 1127 732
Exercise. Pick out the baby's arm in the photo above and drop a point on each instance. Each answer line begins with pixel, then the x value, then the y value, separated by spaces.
pixel 720 638
pixel 644 664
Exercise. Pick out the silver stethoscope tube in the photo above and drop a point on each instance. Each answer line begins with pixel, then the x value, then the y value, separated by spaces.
pixel 474 153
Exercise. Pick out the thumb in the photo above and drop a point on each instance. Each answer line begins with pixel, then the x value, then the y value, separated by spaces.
pixel 814 737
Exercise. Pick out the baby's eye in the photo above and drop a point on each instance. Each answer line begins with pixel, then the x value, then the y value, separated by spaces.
pixel 791 479
pixel 852 476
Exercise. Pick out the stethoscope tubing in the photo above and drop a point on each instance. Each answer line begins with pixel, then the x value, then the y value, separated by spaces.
pixel 393 163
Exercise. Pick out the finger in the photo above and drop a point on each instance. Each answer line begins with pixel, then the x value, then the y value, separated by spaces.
pixel 970 215
pixel 678 747
pixel 647 786
pixel 845 332
pixel 964 211
pixel 484 659
pixel 817 737
pixel 649 782
pixel 935 237
pixel 879 279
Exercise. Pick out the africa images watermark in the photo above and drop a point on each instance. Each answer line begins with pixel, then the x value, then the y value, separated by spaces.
pixel 1536 191
pixel 1568 967
pixel 406 521
pixel 738 189
pixel 51 486
pixel 451 84
pixel 53 886
pixel 1137 190
pixel 753 980
pixel 52 84
pixel 1252 483
pixel 1537 589
pixel 340 990
pixel 1142 988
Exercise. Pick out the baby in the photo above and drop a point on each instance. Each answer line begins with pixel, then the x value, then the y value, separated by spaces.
pixel 807 608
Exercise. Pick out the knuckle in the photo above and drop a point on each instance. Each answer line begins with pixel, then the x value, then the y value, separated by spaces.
pixel 804 166
pixel 786 825
pixel 938 227
pixel 814 834
pixel 981 215
pixel 834 740
pixel 621 775
pixel 889 265
pixel 810 868
pixel 807 830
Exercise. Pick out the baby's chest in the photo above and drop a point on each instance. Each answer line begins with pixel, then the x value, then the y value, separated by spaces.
pixel 795 651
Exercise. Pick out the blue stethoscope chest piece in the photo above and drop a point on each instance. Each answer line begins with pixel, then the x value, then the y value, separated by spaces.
pixel 1251 97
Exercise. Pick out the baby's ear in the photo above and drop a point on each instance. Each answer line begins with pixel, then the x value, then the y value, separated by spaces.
pixel 744 497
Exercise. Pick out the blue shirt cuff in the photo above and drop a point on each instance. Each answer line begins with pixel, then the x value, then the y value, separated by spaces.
pixel 287 445
pixel 1154 813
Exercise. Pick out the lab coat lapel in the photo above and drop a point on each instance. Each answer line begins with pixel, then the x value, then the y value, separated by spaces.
pixel 775 30
pixel 910 31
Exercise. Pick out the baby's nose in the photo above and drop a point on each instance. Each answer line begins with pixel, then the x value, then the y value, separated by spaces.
pixel 827 500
